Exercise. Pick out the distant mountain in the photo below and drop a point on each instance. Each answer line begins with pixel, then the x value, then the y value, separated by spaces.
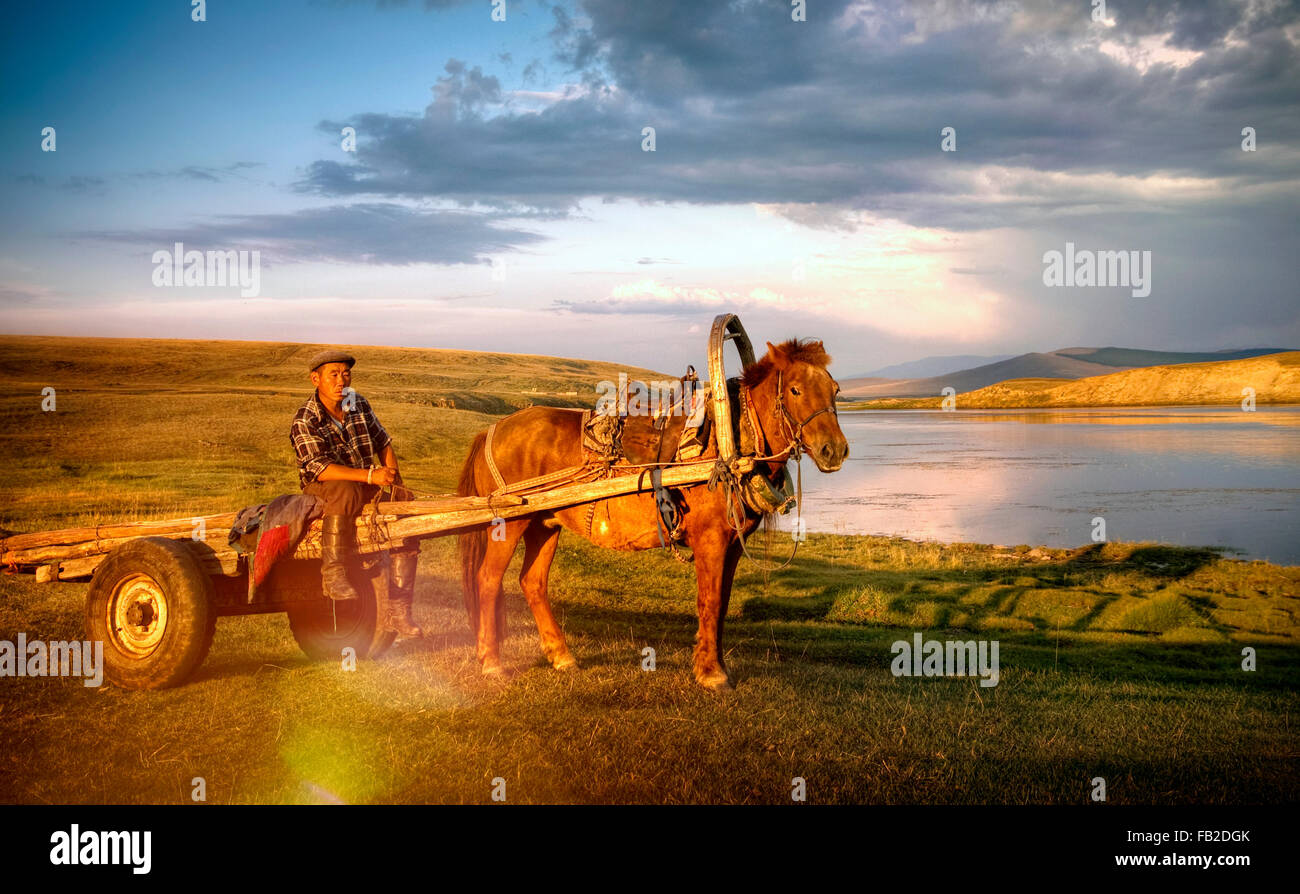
pixel 1129 358
pixel 932 366
pixel 1067 363
pixel 1026 366
pixel 1275 379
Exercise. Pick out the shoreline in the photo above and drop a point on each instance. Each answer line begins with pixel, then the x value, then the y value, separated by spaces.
pixel 934 404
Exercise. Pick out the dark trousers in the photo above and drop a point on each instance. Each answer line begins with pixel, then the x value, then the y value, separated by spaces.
pixel 342 497
pixel 348 498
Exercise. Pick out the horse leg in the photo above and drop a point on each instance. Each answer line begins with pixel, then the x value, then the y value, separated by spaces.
pixel 728 576
pixel 710 574
pixel 539 552
pixel 495 561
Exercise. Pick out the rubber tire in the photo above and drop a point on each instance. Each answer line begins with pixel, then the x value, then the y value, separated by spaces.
pixel 191 617
pixel 359 624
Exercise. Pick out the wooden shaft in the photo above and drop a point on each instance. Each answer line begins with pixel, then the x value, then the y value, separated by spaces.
pixel 19 544
pixel 398 521
pixel 64 552
pixel 560 497
pixel 113 531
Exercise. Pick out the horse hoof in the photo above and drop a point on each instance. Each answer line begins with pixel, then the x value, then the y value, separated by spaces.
pixel 565 663
pixel 715 682
pixel 493 670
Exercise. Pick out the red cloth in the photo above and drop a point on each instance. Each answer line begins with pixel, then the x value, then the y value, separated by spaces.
pixel 272 546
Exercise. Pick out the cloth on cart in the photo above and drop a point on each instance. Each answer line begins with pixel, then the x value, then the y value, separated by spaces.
pixel 657 423
pixel 268 532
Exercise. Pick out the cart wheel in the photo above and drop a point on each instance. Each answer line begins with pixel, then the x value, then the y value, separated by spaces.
pixel 150 604
pixel 325 627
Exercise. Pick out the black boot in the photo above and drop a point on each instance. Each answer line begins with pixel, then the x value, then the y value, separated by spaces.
pixel 401 592
pixel 338 543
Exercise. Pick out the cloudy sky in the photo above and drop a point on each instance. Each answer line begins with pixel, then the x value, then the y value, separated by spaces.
pixel 500 195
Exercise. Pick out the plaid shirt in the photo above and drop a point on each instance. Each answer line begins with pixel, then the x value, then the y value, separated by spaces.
pixel 318 442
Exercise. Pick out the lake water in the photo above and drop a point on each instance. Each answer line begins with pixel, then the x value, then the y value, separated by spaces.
pixel 1195 476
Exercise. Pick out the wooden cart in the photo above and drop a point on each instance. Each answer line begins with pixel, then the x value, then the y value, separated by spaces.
pixel 156 591
pixel 157 588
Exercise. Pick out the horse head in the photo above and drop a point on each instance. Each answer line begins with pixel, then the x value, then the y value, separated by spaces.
pixel 794 399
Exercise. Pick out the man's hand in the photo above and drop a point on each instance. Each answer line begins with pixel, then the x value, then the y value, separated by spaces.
pixel 384 476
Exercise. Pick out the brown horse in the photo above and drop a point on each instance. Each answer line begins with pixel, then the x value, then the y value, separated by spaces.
pixel 536 441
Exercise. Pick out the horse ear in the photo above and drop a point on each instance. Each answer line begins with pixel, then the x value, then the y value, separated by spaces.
pixel 777 355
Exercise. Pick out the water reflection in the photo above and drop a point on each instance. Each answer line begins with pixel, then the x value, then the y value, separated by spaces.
pixel 1192 476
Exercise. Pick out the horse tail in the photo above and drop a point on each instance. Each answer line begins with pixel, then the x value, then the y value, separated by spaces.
pixel 472 543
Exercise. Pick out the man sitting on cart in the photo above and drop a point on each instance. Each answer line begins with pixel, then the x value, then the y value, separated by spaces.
pixel 345 457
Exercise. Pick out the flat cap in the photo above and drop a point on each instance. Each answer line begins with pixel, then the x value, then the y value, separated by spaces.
pixel 331 356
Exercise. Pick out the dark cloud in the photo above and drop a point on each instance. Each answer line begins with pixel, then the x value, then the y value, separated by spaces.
pixel 82 184
pixel 98 185
pixel 392 4
pixel 362 233
pixel 206 173
pixel 843 112
pixel 76 183
pixel 464 91
pixel 576 47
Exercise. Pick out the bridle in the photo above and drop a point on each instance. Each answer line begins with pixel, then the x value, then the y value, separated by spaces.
pixel 790 429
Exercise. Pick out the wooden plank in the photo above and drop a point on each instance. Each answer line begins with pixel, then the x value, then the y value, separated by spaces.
pixel 79 568
pixel 397 520
pixel 29 548
pixel 446 504
pixel 225 563
pixel 569 495
pixel 113 531
pixel 65 552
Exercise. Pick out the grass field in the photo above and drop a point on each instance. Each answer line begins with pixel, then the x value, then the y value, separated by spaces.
pixel 1122 661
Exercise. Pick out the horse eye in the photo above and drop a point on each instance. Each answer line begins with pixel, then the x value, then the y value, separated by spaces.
pixel 794 391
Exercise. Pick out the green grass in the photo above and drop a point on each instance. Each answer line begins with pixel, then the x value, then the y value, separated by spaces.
pixel 1121 660
pixel 1164 719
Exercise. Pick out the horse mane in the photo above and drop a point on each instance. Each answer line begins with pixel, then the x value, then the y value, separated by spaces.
pixel 793 350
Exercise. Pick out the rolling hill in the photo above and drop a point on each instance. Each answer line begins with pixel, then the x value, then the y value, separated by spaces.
pixel 1275 379
pixel 931 366
pixel 475 380
pixel 1066 363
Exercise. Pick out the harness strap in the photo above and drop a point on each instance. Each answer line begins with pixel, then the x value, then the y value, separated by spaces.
pixel 492 463
pixel 667 507
pixel 751 418
pixel 569 475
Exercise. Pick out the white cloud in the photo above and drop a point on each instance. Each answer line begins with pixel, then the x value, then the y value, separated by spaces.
pixel 1153 49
